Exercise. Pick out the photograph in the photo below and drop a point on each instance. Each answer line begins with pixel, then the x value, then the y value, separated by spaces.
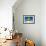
pixel 29 19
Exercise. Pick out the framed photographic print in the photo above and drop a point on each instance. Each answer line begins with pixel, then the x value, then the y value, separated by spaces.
pixel 29 19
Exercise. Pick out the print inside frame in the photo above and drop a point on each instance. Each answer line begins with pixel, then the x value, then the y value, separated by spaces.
pixel 28 19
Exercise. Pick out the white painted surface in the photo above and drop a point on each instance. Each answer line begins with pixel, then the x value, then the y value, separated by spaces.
pixel 6 13
pixel 6 16
pixel 32 31
pixel 43 22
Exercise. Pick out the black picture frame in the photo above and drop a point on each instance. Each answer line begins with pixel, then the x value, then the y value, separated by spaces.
pixel 28 19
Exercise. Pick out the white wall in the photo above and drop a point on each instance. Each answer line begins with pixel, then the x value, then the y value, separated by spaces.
pixel 31 31
pixel 6 13
pixel 43 22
